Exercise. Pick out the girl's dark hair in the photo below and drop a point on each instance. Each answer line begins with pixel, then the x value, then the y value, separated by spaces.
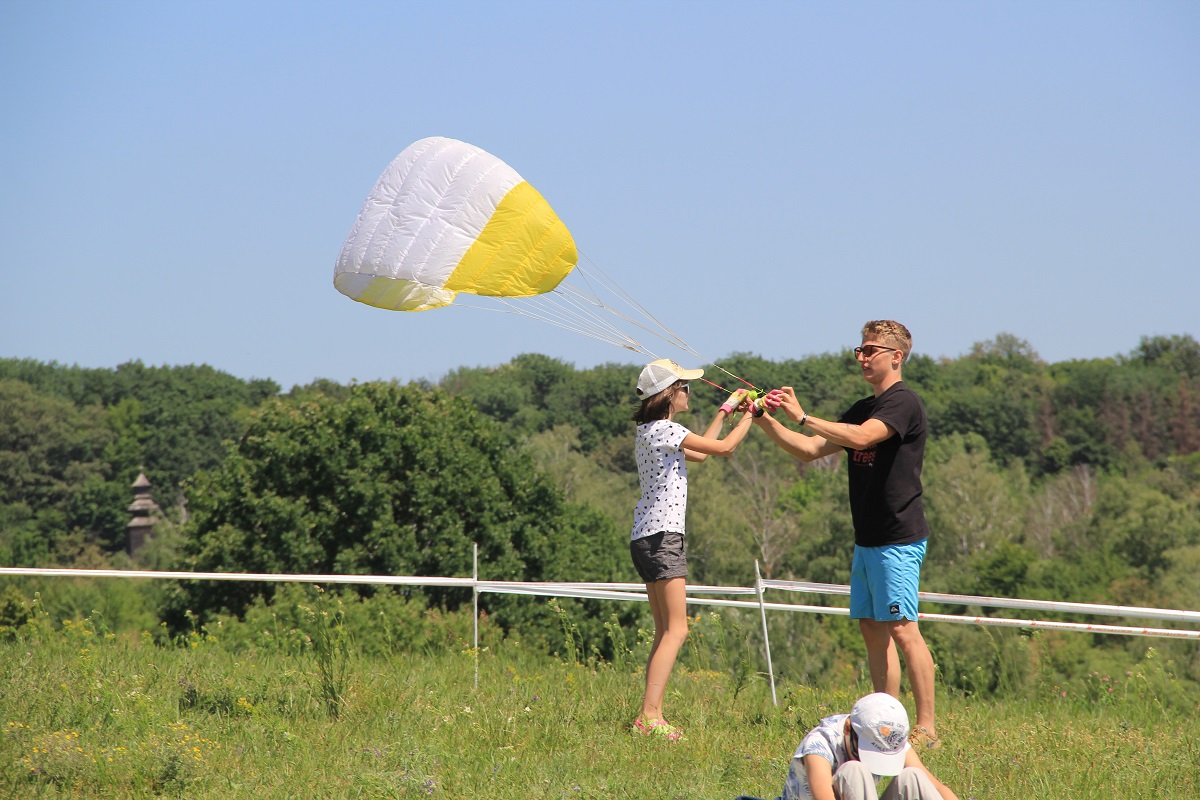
pixel 657 406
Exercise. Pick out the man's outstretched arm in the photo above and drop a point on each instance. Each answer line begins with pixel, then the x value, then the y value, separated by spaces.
pixel 805 448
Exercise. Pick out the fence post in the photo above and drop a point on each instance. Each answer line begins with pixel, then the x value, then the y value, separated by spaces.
pixel 762 610
pixel 475 592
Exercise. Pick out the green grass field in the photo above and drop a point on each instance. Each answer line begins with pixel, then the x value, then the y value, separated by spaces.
pixel 87 713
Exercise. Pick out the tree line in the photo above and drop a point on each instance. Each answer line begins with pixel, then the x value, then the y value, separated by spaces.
pixel 1076 481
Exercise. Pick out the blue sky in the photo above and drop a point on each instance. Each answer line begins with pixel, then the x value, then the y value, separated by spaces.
pixel 176 179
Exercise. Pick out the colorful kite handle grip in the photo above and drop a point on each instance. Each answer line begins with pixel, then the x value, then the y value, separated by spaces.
pixel 756 400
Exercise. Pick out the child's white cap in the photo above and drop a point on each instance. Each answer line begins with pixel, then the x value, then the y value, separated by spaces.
pixel 882 727
pixel 658 375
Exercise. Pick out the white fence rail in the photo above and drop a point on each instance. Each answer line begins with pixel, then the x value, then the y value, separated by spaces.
pixel 700 595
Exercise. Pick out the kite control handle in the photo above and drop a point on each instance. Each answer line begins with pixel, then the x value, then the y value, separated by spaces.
pixel 760 402
pixel 752 400
pixel 757 402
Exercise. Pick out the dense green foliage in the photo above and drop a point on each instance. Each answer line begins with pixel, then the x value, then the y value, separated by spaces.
pixel 1074 481
pixel 72 440
pixel 387 481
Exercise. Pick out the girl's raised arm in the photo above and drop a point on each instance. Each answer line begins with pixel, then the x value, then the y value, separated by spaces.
pixel 698 448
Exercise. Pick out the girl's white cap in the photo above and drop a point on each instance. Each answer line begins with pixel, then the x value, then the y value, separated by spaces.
pixel 659 375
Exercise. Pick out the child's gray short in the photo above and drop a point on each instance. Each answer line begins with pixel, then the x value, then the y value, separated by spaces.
pixel 660 556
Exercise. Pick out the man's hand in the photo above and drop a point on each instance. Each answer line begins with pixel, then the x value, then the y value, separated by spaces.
pixel 785 398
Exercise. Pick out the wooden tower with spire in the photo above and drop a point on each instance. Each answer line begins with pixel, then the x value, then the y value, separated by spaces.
pixel 146 514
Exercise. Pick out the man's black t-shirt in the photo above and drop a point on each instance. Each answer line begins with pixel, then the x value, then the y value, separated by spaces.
pixel 885 480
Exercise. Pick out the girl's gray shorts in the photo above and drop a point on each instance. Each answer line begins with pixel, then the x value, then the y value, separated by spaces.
pixel 660 556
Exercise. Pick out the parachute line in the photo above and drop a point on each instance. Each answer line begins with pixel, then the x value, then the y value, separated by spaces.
pixel 590 303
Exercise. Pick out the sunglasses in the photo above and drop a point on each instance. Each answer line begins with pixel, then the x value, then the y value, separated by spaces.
pixel 870 350
pixel 685 388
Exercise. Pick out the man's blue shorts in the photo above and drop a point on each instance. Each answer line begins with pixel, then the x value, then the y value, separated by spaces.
pixel 883 581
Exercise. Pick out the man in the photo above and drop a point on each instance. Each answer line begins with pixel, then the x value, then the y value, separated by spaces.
pixel 884 436
pixel 847 755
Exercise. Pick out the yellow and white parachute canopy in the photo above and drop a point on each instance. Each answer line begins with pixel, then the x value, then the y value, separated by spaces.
pixel 446 217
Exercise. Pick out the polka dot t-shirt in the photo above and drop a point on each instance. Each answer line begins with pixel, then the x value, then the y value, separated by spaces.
pixel 828 741
pixel 662 472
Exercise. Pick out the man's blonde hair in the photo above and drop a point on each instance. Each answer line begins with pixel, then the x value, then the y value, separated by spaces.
pixel 890 333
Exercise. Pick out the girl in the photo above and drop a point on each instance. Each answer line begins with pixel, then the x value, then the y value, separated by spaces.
pixel 658 545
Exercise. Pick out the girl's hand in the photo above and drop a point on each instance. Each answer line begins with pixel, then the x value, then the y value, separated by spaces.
pixel 735 401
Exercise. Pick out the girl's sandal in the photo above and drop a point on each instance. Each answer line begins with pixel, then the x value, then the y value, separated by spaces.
pixel 659 728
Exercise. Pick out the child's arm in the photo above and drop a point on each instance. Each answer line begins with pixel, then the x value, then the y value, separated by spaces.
pixel 820 777
pixel 698 448
pixel 911 759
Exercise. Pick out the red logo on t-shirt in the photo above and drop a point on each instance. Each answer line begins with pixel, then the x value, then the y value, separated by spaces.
pixel 863 458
